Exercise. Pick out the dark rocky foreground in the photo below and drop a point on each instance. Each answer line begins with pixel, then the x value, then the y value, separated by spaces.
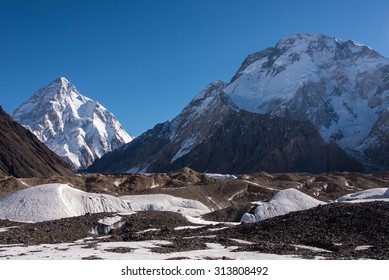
pixel 338 230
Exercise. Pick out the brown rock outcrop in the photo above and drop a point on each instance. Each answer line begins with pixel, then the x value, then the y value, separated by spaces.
pixel 23 155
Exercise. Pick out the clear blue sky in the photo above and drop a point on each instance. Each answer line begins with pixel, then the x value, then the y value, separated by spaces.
pixel 144 60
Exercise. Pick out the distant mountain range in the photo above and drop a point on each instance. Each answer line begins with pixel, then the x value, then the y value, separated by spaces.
pixel 311 103
pixel 296 106
pixel 75 127
pixel 23 155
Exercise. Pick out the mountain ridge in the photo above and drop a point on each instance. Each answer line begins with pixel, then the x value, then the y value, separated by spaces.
pixel 23 155
pixel 212 135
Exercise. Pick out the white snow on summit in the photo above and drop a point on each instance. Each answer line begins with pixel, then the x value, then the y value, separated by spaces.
pixel 342 87
pixel 75 127
pixel 282 203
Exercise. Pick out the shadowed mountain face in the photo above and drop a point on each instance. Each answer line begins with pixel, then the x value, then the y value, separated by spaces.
pixel 212 135
pixel 249 142
pixel 23 155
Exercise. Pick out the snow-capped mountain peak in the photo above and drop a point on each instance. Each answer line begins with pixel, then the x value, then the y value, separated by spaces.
pixel 340 86
pixel 74 126
pixel 285 104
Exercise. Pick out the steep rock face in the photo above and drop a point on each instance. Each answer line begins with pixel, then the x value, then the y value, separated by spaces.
pixel 213 135
pixel 75 127
pixel 169 141
pixel 23 155
pixel 250 142
pixel 377 143
pixel 342 87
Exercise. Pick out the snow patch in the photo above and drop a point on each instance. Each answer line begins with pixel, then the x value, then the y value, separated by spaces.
pixel 164 202
pixel 221 176
pixel 363 247
pixel 314 249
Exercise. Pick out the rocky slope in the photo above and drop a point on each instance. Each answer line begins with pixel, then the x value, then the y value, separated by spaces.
pixel 213 135
pixel 23 155
pixel 75 127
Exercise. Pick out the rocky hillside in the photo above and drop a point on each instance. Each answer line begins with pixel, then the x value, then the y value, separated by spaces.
pixel 23 155
pixel 213 135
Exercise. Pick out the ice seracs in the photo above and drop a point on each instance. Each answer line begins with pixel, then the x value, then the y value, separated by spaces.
pixel 75 127
pixel 291 200
pixel 376 194
pixel 282 203
pixel 164 202
pixel 56 201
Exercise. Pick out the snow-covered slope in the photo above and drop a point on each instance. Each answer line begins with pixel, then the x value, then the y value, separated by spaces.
pixel 283 202
pixel 56 201
pixel 342 87
pixel 75 127
pixel 164 202
pixel 381 194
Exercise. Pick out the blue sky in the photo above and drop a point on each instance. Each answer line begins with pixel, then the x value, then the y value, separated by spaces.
pixel 144 60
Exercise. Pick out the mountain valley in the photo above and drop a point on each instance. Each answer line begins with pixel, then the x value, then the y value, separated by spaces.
pixel 287 160
pixel 351 205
